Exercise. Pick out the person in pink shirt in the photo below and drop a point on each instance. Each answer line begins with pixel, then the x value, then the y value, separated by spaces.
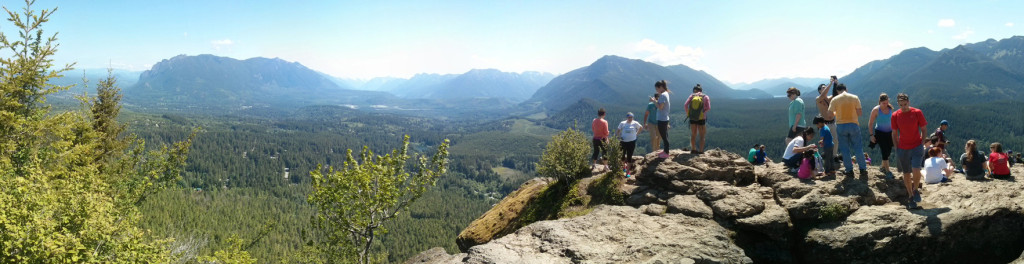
pixel 600 141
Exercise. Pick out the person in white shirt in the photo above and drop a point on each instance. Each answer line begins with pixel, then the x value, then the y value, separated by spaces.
pixel 790 157
pixel 627 132
pixel 935 167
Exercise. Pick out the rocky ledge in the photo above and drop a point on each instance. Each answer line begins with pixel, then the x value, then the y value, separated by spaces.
pixel 717 208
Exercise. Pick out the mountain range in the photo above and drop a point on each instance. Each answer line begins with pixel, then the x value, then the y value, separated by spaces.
pixel 207 81
pixel 778 87
pixel 623 82
pixel 477 83
pixel 971 73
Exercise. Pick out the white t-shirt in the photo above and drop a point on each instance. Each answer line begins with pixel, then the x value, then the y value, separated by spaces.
pixel 933 169
pixel 796 142
pixel 629 130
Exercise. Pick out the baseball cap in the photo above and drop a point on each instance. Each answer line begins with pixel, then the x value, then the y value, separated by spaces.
pixel 629 114
pixel 944 122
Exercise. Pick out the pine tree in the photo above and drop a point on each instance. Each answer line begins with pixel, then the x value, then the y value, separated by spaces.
pixel 70 181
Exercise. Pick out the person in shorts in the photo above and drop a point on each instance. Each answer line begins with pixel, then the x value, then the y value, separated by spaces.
pixel 698 118
pixel 908 130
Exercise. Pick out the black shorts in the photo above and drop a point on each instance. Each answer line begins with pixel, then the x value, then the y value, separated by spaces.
pixel 793 134
pixel 698 122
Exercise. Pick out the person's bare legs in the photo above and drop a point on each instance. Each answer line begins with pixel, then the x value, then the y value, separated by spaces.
pixel 693 137
pixel 703 135
pixel 908 183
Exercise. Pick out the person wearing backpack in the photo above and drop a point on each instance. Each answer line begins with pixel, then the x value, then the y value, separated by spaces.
pixel 664 106
pixel 697 106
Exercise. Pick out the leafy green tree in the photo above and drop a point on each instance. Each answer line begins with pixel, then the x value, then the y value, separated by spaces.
pixel 69 184
pixel 565 156
pixel 353 204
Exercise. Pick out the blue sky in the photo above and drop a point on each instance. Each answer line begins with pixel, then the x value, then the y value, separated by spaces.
pixel 736 41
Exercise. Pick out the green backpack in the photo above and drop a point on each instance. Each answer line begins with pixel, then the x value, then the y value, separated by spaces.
pixel 696 110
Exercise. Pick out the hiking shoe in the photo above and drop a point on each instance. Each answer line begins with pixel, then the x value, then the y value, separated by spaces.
pixel 911 205
pixel 663 155
pixel 917 196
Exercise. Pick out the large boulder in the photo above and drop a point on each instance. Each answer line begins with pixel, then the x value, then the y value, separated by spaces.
pixel 503 217
pixel 614 234
pixel 689 205
pixel 817 205
pixel 713 165
pixel 716 207
pixel 958 222
pixel 435 255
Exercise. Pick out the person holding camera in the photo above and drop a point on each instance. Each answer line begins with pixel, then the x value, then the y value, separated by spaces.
pixel 822 102
pixel 880 124
pixel 651 123
pixel 664 107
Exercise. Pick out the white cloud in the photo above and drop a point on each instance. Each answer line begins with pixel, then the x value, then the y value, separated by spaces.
pixel 946 23
pixel 1009 24
pixel 964 35
pixel 655 52
pixel 220 44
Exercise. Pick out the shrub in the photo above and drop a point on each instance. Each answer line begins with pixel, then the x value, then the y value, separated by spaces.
pixel 565 157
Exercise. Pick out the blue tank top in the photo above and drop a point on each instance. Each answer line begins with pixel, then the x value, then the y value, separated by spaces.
pixel 883 122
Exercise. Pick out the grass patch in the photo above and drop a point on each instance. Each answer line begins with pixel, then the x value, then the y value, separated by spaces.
pixel 832 212
pixel 571 199
pixel 605 189
pixel 509 174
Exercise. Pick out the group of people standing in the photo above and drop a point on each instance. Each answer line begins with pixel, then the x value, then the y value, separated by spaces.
pixel 903 127
pixel 656 122
pixel 839 113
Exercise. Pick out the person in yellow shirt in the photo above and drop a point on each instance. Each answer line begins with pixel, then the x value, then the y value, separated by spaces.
pixel 847 109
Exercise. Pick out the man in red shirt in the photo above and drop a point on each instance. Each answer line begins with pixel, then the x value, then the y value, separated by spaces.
pixel 908 129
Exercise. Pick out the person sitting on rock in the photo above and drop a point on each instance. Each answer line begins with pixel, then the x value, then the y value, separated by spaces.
pixel 752 153
pixel 998 162
pixel 936 170
pixel 796 146
pixel 973 161
pixel 761 157
pixel 807 165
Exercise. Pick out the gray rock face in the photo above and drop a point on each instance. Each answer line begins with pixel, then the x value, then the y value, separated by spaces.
pixel 614 234
pixel 715 208
pixel 689 205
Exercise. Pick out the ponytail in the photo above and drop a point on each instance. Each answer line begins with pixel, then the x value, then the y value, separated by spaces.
pixel 662 84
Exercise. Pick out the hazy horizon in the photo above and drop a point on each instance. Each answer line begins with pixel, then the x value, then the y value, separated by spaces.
pixel 737 42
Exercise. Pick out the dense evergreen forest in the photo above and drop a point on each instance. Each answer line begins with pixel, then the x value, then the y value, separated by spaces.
pixel 235 180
